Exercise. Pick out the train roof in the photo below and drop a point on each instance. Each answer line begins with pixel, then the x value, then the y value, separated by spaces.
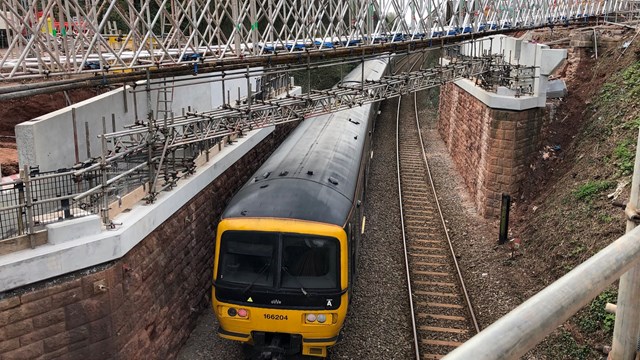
pixel 312 175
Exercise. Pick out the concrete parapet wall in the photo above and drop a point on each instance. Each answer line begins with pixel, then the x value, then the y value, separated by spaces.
pixel 144 302
pixel 490 147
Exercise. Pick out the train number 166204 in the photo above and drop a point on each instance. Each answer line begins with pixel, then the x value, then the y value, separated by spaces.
pixel 275 317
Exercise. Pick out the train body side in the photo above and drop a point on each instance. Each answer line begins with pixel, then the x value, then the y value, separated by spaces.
pixel 286 245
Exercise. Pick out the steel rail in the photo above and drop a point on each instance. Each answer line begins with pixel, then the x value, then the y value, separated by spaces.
pixel 429 337
pixel 444 225
pixel 404 237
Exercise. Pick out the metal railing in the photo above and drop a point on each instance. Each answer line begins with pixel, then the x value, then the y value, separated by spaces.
pixel 36 198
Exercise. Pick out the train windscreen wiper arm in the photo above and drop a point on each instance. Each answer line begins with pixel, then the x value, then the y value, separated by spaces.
pixel 284 268
pixel 264 268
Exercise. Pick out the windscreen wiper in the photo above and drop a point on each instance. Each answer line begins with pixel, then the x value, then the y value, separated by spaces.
pixel 286 270
pixel 260 272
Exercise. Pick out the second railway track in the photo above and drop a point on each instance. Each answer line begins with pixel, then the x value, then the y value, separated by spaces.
pixel 443 317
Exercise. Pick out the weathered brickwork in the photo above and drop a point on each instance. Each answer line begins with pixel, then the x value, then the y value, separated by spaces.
pixel 490 147
pixel 152 296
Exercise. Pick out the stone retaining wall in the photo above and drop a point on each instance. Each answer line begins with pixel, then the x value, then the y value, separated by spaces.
pixel 490 147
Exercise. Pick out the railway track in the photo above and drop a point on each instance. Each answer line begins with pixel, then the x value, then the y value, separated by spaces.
pixel 441 311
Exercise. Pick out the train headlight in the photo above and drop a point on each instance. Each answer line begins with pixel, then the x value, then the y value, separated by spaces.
pixel 311 317
pixel 232 312
pixel 322 318
pixel 243 313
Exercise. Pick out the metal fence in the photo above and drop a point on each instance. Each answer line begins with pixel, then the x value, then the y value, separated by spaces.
pixel 37 198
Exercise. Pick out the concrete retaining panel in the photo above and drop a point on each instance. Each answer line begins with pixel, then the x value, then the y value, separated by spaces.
pixel 48 141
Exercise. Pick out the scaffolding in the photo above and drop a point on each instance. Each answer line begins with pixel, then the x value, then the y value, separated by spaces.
pixel 50 38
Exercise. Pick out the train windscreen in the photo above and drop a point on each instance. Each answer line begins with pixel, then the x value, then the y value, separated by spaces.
pixel 246 258
pixel 309 262
pixel 253 258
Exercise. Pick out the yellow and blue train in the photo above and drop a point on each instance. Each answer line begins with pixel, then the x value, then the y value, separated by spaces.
pixel 287 243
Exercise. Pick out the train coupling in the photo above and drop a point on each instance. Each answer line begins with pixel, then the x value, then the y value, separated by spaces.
pixel 275 346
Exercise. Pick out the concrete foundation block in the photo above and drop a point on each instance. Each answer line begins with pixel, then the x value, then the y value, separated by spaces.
pixel 556 89
pixel 551 59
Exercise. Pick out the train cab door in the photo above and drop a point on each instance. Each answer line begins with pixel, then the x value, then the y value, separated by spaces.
pixel 353 233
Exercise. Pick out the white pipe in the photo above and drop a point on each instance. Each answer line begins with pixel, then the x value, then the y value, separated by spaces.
pixel 627 326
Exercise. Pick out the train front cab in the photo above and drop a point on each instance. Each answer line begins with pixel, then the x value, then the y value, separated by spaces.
pixel 283 288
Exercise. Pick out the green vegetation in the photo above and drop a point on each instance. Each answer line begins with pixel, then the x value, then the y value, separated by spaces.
pixel 606 218
pixel 565 347
pixel 609 92
pixel 632 125
pixel 588 191
pixel 596 318
pixel 577 250
pixel 631 78
pixel 624 156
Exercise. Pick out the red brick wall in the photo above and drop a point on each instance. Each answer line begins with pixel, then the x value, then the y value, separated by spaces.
pixel 490 147
pixel 153 294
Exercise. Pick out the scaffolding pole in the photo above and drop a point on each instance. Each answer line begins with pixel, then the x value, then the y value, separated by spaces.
pixel 627 326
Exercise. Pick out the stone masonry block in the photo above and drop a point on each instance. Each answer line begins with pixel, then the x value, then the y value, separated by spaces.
pixel 31 351
pixel 81 352
pixel 16 329
pixel 4 318
pixel 100 330
pixel 509 135
pixel 102 350
pixel 48 318
pixel 65 338
pixel 116 296
pixel 9 345
pixel 42 334
pixel 67 297
pixel 88 310
pixel 9 303
pixel 49 290
pixel 507 125
pixel 29 309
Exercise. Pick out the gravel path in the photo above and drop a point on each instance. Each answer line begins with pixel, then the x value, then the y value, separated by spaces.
pixel 378 323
